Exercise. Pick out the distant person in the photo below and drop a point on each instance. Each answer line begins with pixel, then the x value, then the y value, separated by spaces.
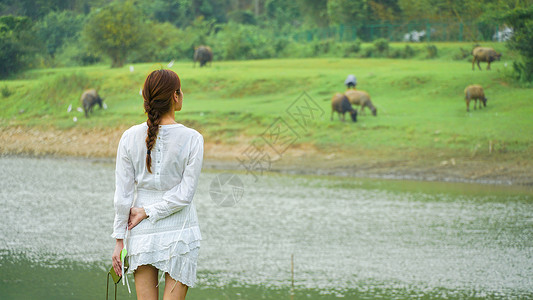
pixel 350 82
pixel 161 160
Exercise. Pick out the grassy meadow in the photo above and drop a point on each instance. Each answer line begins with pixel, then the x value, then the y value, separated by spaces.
pixel 421 107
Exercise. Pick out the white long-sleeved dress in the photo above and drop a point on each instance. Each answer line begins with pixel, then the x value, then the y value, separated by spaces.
pixel 170 238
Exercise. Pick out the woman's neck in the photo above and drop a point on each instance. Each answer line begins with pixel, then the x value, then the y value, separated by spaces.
pixel 168 118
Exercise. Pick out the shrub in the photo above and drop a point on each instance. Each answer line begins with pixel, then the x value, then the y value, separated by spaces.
pixel 322 46
pixel 462 54
pixel 368 52
pixel 237 41
pixel 432 51
pixel 75 53
pixel 6 92
pixel 352 48
pixel 408 52
pixel 17 44
pixel 381 45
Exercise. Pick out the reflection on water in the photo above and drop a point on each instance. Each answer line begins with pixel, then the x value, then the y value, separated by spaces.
pixel 350 237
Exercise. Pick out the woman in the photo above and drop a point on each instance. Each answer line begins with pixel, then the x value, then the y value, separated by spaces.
pixel 161 160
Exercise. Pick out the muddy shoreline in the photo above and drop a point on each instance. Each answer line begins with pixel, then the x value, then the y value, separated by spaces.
pixel 100 145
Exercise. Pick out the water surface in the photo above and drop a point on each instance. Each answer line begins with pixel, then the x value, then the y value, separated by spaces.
pixel 349 237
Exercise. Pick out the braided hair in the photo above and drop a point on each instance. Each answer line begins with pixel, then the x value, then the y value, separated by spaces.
pixel 158 93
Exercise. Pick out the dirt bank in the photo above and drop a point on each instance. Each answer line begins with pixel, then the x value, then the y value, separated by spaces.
pixel 302 159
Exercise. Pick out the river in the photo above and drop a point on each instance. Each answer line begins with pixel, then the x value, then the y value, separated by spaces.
pixel 346 237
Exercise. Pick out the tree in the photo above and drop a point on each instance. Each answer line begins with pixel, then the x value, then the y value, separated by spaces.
pixel 17 44
pixel 347 11
pixel 115 30
pixel 58 27
pixel 521 20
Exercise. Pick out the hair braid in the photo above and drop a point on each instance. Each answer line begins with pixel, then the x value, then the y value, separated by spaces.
pixel 153 129
pixel 158 93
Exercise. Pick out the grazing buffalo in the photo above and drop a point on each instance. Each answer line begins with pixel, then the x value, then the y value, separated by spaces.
pixel 475 92
pixel 484 54
pixel 203 55
pixel 361 98
pixel 90 98
pixel 341 105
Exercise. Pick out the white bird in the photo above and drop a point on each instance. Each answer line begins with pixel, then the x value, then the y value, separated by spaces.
pixel 69 109
pixel 105 106
pixel 170 64
pixel 75 119
pixel 131 69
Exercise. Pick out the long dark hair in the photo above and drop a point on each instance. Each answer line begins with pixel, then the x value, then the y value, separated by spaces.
pixel 158 92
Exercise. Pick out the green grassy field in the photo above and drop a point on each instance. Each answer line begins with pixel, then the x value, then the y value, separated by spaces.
pixel 421 107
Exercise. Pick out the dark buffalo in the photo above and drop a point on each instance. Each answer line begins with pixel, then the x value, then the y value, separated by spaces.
pixel 90 98
pixel 484 54
pixel 341 105
pixel 203 54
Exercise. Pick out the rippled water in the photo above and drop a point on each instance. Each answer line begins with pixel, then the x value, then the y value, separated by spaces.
pixel 350 238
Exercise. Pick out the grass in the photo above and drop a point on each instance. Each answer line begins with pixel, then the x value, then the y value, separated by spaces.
pixel 420 102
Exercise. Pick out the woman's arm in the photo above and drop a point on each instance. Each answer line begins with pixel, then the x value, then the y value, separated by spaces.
pixel 125 185
pixel 181 195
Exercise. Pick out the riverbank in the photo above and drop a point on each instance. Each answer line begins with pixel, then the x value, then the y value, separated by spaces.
pixel 300 159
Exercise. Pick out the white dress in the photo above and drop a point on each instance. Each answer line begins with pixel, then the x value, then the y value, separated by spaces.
pixel 170 238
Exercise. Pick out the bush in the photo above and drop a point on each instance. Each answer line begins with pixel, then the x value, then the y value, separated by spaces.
pixel 394 53
pixel 5 91
pixel 17 44
pixel 369 52
pixel 381 45
pixel 408 52
pixel 75 53
pixel 521 20
pixel 322 46
pixel 58 27
pixel 462 54
pixel 352 48
pixel 432 51
pixel 236 41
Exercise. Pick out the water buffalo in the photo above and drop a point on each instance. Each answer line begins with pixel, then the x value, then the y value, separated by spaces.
pixel 90 98
pixel 484 54
pixel 203 54
pixel 341 105
pixel 361 98
pixel 475 92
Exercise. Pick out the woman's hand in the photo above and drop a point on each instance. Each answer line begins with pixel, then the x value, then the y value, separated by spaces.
pixel 117 264
pixel 137 214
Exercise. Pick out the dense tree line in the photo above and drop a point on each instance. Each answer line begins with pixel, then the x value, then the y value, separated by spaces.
pixel 77 32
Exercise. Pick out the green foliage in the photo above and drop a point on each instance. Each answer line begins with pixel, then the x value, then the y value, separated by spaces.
pixel 17 44
pixel 162 43
pixel 352 48
pixel 56 28
pixel 75 53
pixel 242 17
pixel 5 91
pixel 347 11
pixel 408 52
pixel 432 51
pixel 382 45
pixel 235 42
pixel 521 20
pixel 115 30
pixel 462 54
